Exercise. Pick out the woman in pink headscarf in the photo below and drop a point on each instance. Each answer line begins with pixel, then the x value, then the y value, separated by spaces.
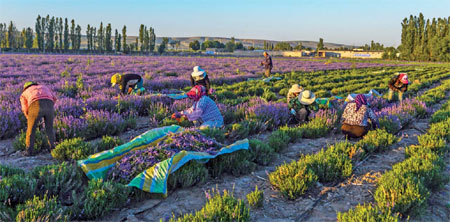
pixel 398 84
pixel 355 118
pixel 204 108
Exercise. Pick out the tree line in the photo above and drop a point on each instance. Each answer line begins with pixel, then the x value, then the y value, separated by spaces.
pixel 425 40
pixel 230 46
pixel 57 35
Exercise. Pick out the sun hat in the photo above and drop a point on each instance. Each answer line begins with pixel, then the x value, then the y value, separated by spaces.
pixel 115 79
pixel 403 78
pixel 28 84
pixel 306 97
pixel 296 88
pixel 198 73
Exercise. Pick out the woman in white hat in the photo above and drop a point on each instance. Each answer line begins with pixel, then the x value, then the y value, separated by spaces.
pixel 294 91
pixel 301 107
pixel 200 77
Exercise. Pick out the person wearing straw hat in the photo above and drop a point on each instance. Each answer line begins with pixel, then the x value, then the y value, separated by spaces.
pixel 301 107
pixel 37 102
pixel 355 118
pixel 200 77
pixel 204 108
pixel 267 63
pixel 294 91
pixel 399 83
pixel 128 83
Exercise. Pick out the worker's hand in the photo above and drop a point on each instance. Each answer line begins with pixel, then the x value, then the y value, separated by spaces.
pixel 177 115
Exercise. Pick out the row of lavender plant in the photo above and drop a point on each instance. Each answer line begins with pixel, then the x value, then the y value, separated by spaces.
pixel 404 190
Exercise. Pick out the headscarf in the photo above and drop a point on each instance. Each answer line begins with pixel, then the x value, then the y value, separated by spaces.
pixel 360 100
pixel 403 77
pixel 115 79
pixel 196 92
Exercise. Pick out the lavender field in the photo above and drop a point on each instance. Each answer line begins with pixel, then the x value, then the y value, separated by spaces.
pixel 82 82
pixel 285 160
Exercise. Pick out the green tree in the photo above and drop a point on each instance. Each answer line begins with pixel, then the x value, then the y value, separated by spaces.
pixel 73 37
pixel 117 41
pixel 3 35
pixel 390 53
pixel 419 38
pixel 124 39
pixel 66 35
pixel 78 37
pixel 162 47
pixel 39 36
pixel 320 45
pixel 44 26
pixel 94 38
pixel 88 37
pixel 239 46
pixel 195 45
pixel 11 40
pixel 146 42
pixel 141 36
pixel 230 46
pixel 108 43
pixel 60 30
pixel 283 46
pixel 152 39
pixel 29 38
pixel 299 46
pixel 51 34
pixel 100 38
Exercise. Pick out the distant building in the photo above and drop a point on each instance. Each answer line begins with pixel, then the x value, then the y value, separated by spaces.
pixel 360 54
pixel 213 51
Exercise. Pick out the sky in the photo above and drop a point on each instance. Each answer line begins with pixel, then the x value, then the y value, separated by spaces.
pixel 353 22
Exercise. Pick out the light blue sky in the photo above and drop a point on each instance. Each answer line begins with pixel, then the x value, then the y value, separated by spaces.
pixel 339 21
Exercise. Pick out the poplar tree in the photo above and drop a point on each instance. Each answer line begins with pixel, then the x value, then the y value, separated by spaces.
pixel 78 37
pixel 29 38
pixel 60 26
pixel 73 37
pixel 116 41
pixel 88 37
pixel 100 37
pixel 152 39
pixel 124 39
pixel 141 36
pixel 38 32
pixel 66 35
pixel 108 43
pixel 51 34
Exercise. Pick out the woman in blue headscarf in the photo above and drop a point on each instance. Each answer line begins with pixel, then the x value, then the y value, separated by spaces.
pixel 355 118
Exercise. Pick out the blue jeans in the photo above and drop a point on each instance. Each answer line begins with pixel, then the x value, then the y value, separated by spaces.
pixel 139 87
pixel 211 124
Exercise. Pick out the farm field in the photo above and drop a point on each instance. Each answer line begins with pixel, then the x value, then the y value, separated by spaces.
pixel 307 172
